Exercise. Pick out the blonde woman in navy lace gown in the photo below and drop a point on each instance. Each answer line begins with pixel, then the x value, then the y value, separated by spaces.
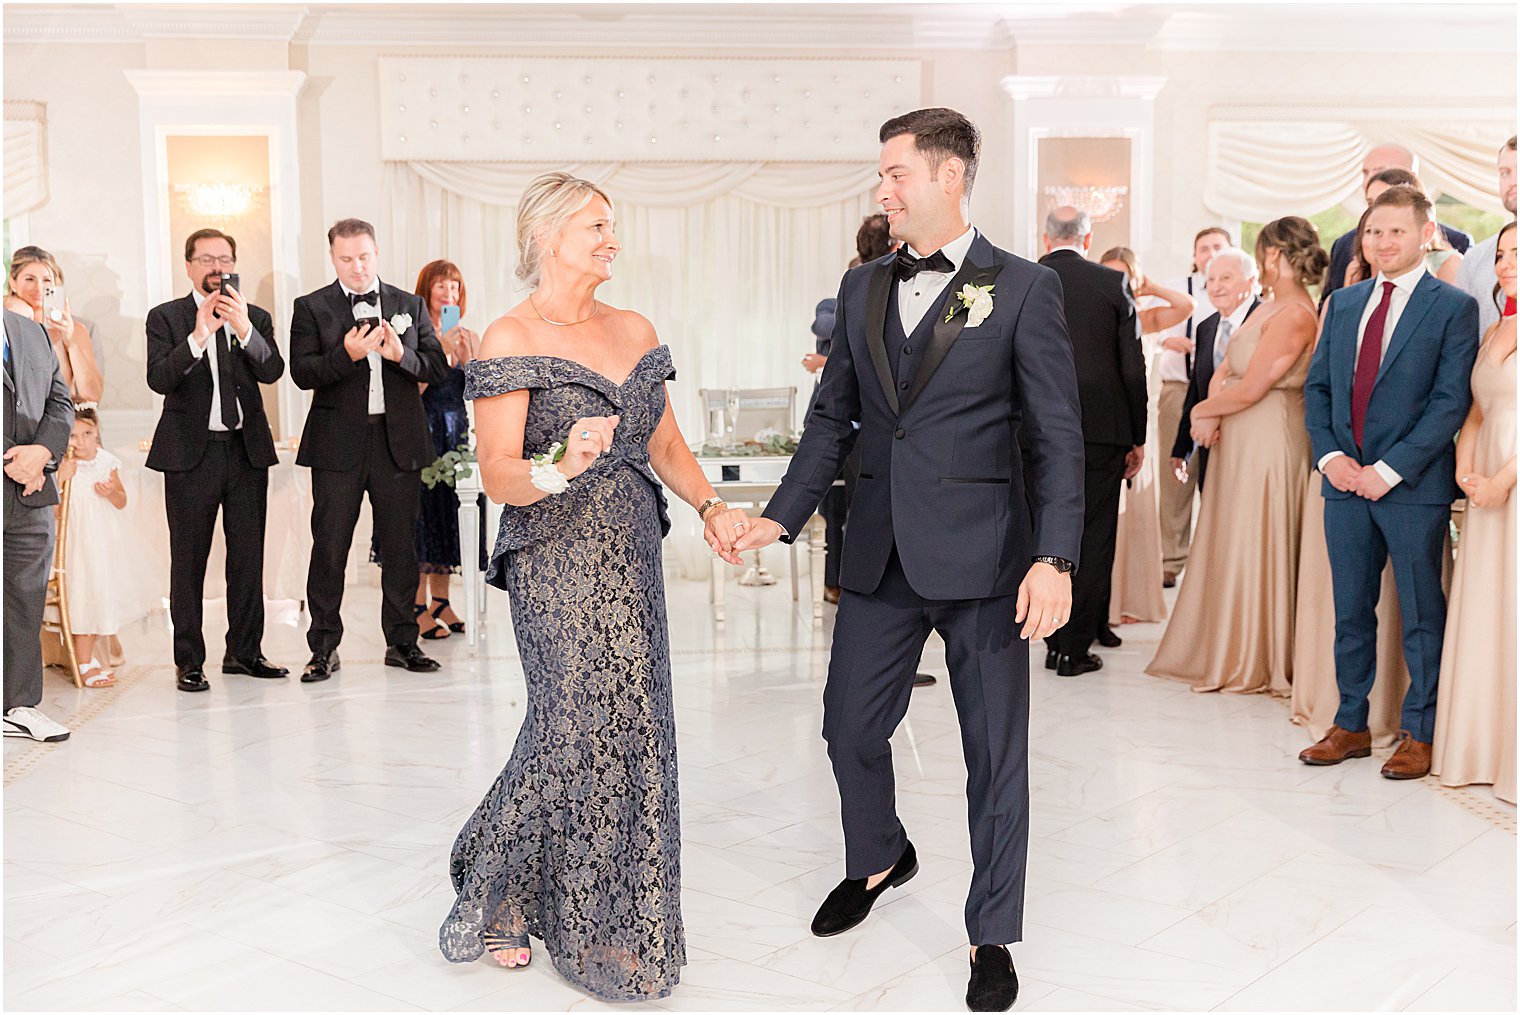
pixel 578 841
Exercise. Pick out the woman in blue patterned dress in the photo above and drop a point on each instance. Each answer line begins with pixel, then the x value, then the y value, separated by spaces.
pixel 578 840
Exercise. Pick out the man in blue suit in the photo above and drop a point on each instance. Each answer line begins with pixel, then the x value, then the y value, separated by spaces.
pixel 1388 390
pixel 940 351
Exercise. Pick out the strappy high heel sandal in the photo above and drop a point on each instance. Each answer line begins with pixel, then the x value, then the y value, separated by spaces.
pixel 435 633
pixel 443 604
pixel 502 945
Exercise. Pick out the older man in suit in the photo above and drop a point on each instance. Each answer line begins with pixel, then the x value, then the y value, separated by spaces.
pixel 1104 326
pixel 38 418
pixel 1232 289
pixel 208 352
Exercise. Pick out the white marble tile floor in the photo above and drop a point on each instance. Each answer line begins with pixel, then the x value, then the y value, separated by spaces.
pixel 279 846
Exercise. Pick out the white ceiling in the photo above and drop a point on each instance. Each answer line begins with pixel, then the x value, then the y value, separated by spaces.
pixel 877 27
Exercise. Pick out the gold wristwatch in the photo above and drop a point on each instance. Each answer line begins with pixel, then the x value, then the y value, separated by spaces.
pixel 708 505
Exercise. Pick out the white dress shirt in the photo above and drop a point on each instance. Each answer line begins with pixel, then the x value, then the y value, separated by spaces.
pixel 1475 276
pixel 1233 320
pixel 197 350
pixel 376 382
pixel 917 295
pixel 1173 365
pixel 1403 288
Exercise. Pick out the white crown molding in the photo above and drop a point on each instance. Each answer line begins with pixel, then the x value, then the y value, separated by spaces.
pixel 1030 86
pixel 1380 28
pixel 1326 109
pixel 133 23
pixel 204 84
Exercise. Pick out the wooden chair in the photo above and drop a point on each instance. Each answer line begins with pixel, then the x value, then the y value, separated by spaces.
pixel 57 633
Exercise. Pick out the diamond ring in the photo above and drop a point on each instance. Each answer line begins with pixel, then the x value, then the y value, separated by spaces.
pixel 585 435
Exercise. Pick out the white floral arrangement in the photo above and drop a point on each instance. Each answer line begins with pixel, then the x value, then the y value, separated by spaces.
pixel 400 323
pixel 976 301
pixel 543 474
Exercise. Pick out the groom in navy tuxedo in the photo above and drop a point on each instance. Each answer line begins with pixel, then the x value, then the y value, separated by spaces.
pixel 940 529
pixel 1388 389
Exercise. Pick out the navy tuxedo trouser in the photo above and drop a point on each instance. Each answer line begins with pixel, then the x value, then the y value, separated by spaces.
pixel 878 641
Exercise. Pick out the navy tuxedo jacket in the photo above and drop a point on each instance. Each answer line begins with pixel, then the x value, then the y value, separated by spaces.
pixel 941 474
pixel 1420 399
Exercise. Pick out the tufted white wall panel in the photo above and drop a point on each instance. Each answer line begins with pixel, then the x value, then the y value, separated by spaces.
pixel 609 109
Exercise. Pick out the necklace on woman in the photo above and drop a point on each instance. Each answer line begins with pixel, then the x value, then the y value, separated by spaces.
pixel 595 309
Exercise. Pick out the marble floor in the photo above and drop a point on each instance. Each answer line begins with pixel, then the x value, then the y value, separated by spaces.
pixel 273 845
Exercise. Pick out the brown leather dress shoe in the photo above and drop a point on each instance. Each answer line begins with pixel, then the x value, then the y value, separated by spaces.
pixel 1339 745
pixel 1411 759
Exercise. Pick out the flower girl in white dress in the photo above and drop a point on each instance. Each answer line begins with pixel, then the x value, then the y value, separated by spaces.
pixel 101 570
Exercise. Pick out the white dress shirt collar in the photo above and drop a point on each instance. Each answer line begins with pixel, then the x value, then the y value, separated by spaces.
pixel 374 287
pixel 956 249
pixel 1237 317
pixel 1067 246
pixel 1405 282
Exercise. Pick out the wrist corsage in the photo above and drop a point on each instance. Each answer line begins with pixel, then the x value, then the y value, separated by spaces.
pixel 542 471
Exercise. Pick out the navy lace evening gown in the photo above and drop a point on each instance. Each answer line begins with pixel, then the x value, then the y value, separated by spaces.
pixel 578 841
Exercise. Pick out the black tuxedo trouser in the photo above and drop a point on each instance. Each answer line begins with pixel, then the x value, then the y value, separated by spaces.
pixel 1092 580
pixel 878 640
pixel 224 480
pixel 395 500
pixel 28 560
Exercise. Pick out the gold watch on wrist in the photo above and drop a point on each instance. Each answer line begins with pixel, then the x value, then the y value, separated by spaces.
pixel 707 505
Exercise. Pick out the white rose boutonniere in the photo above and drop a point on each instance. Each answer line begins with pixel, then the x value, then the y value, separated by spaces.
pixel 976 301
pixel 400 323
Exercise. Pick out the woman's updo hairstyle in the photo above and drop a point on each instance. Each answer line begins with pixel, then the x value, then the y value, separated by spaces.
pixel 549 202
pixel 1298 240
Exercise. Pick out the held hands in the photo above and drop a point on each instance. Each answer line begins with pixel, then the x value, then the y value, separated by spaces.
pixel 1485 491
pixel 582 451
pixel 1133 461
pixel 761 532
pixel 24 464
pixel 1370 484
pixel 1044 602
pixel 361 340
pixel 722 528
pixel 1343 473
pixel 1205 430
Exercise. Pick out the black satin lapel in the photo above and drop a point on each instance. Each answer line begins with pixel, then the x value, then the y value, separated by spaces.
pixel 878 296
pixel 946 332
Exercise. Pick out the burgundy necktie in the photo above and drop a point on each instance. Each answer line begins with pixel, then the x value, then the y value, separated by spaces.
pixel 1367 363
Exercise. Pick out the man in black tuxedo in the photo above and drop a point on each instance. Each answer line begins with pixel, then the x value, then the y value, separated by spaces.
pixel 937 350
pixel 208 352
pixel 38 418
pixel 1384 156
pixel 1232 290
pixel 363 347
pixel 1104 326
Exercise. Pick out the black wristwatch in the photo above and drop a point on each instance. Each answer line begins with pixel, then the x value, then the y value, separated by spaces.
pixel 1061 564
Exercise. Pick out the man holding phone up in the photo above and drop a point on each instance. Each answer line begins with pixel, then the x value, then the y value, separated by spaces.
pixel 208 352
pixel 362 347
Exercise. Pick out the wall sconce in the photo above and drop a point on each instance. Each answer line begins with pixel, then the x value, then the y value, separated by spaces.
pixel 218 200
pixel 1101 203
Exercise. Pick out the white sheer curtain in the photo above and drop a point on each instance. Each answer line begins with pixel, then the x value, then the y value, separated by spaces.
pixel 1261 169
pixel 727 259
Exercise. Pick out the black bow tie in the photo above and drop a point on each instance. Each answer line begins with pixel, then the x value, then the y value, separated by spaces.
pixel 907 265
pixel 372 298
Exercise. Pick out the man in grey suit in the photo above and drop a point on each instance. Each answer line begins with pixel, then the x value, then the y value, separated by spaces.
pixel 940 351
pixel 38 418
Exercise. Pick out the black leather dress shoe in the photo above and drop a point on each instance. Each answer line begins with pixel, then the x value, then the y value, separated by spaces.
pixel 924 680
pixel 850 902
pixel 1051 657
pixel 411 657
pixel 257 666
pixel 191 678
pixel 322 666
pixel 1072 666
pixel 994 985
pixel 1107 638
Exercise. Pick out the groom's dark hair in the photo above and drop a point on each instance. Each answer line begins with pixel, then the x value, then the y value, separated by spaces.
pixel 939 134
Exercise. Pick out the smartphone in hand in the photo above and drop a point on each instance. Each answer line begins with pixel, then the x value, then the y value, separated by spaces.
pixel 52 303
pixel 231 280
pixel 449 318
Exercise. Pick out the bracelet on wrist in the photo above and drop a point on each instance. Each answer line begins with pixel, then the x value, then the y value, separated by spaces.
pixel 710 504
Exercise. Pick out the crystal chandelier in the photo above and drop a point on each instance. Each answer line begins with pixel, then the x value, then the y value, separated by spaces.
pixel 218 200
pixel 1100 203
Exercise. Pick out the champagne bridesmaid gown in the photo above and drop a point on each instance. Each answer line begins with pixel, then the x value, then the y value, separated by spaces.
pixel 1232 625
pixel 1475 712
